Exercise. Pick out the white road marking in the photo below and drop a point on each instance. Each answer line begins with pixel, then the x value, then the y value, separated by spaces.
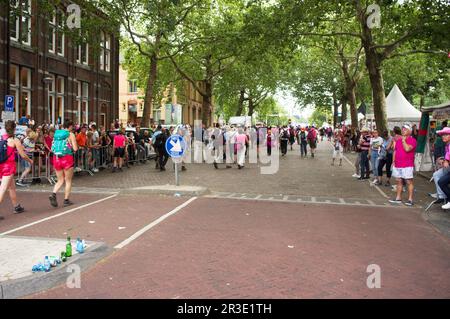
pixel 153 224
pixel 57 215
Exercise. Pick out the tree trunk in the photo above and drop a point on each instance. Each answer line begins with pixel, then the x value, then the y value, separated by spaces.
pixel 350 94
pixel 240 103
pixel 251 106
pixel 379 99
pixel 351 98
pixel 206 105
pixel 373 64
pixel 335 110
pixel 344 108
pixel 148 101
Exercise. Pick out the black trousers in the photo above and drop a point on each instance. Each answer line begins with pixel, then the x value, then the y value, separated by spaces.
pixel 163 157
pixel 284 144
pixel 388 162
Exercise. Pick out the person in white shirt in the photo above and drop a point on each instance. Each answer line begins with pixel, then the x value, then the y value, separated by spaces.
pixel 375 145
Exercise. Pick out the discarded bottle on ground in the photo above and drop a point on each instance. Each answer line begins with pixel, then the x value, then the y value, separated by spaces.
pixel 68 248
pixel 47 265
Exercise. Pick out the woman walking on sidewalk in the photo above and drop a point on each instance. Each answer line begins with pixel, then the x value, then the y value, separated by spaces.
pixel 241 140
pixel 63 148
pixel 8 166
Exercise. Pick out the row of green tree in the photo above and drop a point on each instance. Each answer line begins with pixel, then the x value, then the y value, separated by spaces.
pixel 241 52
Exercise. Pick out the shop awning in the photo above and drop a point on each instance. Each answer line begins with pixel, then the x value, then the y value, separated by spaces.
pixel 440 111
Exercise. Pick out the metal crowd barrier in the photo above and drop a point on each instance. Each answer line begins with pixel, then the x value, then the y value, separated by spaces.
pixel 85 160
pixel 42 168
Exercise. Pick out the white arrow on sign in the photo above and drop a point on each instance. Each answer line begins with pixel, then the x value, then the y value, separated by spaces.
pixel 176 146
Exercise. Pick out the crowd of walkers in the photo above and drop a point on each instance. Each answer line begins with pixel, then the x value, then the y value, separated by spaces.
pixel 71 148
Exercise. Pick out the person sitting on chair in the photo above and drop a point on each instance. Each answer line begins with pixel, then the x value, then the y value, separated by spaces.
pixel 442 176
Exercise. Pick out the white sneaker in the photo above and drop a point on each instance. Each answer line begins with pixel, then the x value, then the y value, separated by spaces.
pixel 77 169
pixel 95 170
pixel 446 206
pixel 356 176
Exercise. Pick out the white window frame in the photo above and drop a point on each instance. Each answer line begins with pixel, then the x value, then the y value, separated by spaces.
pixel 132 84
pixel 60 26
pixel 81 97
pixel 19 89
pixel 79 55
pixel 17 20
pixel 53 92
pixel 52 26
pixel 105 52
pixel 27 14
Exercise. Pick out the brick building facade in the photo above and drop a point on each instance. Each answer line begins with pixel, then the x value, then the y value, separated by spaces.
pixel 52 77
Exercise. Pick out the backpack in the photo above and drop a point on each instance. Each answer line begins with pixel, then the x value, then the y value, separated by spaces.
pixel 160 140
pixel 60 145
pixel 4 150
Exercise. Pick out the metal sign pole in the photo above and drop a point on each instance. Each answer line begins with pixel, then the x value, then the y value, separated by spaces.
pixel 177 180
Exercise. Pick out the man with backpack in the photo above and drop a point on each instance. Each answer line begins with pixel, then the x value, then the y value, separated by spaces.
pixel 63 148
pixel 312 139
pixel 160 148
pixel 303 143
pixel 284 138
pixel 291 136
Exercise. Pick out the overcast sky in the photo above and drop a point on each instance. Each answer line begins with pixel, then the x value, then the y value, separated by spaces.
pixel 287 101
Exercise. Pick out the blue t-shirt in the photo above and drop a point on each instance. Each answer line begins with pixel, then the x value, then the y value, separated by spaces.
pixel 23 120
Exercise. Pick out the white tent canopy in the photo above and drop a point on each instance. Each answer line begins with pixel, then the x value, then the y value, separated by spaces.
pixel 399 109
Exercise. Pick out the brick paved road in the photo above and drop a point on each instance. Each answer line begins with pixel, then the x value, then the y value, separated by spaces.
pixel 219 248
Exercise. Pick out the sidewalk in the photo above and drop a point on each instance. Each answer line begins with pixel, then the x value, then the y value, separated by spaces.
pixel 436 216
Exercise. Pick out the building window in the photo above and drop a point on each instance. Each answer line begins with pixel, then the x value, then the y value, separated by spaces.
pixel 56 35
pixel 83 53
pixel 105 51
pixel 56 94
pixel 20 88
pixel 20 21
pixel 132 86
pixel 82 102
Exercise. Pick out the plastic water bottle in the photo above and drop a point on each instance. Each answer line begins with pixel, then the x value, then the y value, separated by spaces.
pixel 80 247
pixel 47 265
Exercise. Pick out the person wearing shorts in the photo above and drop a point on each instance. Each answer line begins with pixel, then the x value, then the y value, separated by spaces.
pixel 119 144
pixel 8 168
pixel 403 169
pixel 63 166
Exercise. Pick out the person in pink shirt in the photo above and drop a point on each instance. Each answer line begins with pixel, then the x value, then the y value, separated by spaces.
pixel 404 153
pixel 241 140
pixel 119 144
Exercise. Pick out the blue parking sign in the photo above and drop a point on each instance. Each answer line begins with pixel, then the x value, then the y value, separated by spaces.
pixel 9 103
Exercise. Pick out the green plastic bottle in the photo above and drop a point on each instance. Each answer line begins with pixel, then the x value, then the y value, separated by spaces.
pixel 68 248
pixel 63 256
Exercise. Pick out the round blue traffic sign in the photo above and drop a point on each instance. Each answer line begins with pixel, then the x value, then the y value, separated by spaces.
pixel 175 146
